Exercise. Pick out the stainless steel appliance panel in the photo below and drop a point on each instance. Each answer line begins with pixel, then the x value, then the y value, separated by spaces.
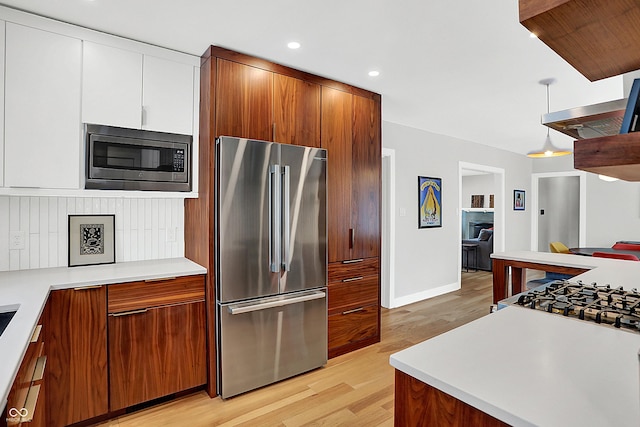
pixel 244 214
pixel 304 218
pixel 270 339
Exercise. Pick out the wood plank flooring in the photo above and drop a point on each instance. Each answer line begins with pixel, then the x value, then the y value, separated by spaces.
pixel 355 389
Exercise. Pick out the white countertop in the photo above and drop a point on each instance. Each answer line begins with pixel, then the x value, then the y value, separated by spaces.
pixel 28 290
pixel 531 368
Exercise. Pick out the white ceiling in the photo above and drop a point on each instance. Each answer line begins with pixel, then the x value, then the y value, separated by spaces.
pixel 467 69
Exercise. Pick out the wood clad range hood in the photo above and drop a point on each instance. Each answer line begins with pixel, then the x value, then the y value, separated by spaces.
pixel 599 38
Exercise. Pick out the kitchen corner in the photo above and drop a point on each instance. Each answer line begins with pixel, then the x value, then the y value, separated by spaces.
pixel 28 290
pixel 528 367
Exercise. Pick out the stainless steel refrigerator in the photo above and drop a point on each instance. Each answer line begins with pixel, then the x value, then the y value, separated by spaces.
pixel 271 262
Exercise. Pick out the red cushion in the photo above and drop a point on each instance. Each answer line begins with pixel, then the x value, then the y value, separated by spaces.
pixel 626 247
pixel 629 257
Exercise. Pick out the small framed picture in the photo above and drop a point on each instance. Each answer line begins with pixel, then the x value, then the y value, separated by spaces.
pixel 429 202
pixel 91 240
pixel 518 200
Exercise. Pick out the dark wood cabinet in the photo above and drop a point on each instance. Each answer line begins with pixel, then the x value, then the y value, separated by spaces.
pixel 296 111
pixel 157 340
pixel 598 38
pixel 354 305
pixel 76 371
pixel 250 97
pixel 244 101
pixel 336 139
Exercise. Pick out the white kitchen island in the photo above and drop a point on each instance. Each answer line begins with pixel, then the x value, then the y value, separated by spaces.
pixel 527 367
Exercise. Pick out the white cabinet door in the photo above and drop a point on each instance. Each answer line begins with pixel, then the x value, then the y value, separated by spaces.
pixel 42 109
pixel 2 27
pixel 167 96
pixel 111 86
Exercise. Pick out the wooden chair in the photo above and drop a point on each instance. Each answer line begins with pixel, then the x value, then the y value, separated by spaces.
pixel 628 257
pixel 558 248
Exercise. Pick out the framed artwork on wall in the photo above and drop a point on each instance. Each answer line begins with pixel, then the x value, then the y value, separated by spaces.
pixel 429 202
pixel 518 200
pixel 91 240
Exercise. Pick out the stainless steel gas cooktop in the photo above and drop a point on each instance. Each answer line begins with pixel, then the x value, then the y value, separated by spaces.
pixel 600 304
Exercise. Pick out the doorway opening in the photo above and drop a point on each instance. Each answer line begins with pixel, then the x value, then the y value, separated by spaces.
pixel 496 177
pixel 388 228
pixel 559 209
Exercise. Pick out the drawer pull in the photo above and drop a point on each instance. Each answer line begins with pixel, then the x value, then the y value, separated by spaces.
pixel 353 261
pixel 30 405
pixel 128 313
pixel 87 288
pixel 36 333
pixel 38 372
pixel 159 279
pixel 355 310
pixel 353 279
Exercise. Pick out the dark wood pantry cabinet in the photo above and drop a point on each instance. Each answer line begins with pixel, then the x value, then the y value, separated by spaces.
pixel 249 97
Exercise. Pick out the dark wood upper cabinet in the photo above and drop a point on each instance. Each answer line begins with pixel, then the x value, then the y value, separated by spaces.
pixel 337 107
pixel 76 371
pixel 598 38
pixel 244 101
pixel 296 111
pixel 366 177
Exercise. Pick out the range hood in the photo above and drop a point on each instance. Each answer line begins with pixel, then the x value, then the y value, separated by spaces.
pixel 592 121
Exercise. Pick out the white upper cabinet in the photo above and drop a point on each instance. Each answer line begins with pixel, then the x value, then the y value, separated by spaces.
pixel 167 99
pixel 132 90
pixel 42 109
pixel 111 86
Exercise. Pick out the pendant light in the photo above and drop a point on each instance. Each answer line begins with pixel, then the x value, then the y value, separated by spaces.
pixel 548 149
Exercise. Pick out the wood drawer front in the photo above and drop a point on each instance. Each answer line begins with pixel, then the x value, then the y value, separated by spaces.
pixel 156 353
pixel 141 295
pixel 346 270
pixel 353 326
pixel 345 296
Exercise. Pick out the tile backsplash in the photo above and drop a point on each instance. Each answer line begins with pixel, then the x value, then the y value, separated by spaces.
pixel 145 228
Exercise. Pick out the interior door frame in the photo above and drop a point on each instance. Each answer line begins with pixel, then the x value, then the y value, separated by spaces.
pixel 499 210
pixel 535 186
pixel 388 237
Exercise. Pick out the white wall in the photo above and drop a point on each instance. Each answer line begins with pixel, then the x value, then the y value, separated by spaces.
pixel 141 228
pixel 477 184
pixel 613 208
pixel 427 259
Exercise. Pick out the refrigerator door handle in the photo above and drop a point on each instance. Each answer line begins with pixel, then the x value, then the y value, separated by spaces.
pixel 286 220
pixel 275 202
pixel 281 302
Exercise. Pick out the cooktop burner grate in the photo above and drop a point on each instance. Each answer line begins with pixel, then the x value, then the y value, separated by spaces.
pixel 600 304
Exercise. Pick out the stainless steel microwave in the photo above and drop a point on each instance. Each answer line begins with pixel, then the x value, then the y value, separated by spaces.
pixel 131 159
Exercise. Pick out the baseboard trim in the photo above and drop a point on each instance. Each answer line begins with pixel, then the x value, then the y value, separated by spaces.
pixel 426 294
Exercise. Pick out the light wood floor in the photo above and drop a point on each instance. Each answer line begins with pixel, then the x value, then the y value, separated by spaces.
pixel 355 389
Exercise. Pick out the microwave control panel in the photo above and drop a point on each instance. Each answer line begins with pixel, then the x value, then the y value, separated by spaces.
pixel 178 160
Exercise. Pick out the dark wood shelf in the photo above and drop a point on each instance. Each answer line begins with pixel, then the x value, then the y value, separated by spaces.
pixel 616 156
pixel 598 38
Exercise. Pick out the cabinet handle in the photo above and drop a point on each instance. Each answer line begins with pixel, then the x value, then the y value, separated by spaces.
pixel 128 313
pixel 30 405
pixel 36 333
pixel 273 132
pixel 87 288
pixel 38 371
pixel 352 237
pixel 355 310
pixel 353 279
pixel 159 279
pixel 353 261
pixel 143 116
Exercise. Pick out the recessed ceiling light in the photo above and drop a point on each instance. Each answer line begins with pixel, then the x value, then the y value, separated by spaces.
pixel 293 45
pixel 374 73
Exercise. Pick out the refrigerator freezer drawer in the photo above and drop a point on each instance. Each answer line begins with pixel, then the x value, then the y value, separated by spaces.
pixel 270 339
